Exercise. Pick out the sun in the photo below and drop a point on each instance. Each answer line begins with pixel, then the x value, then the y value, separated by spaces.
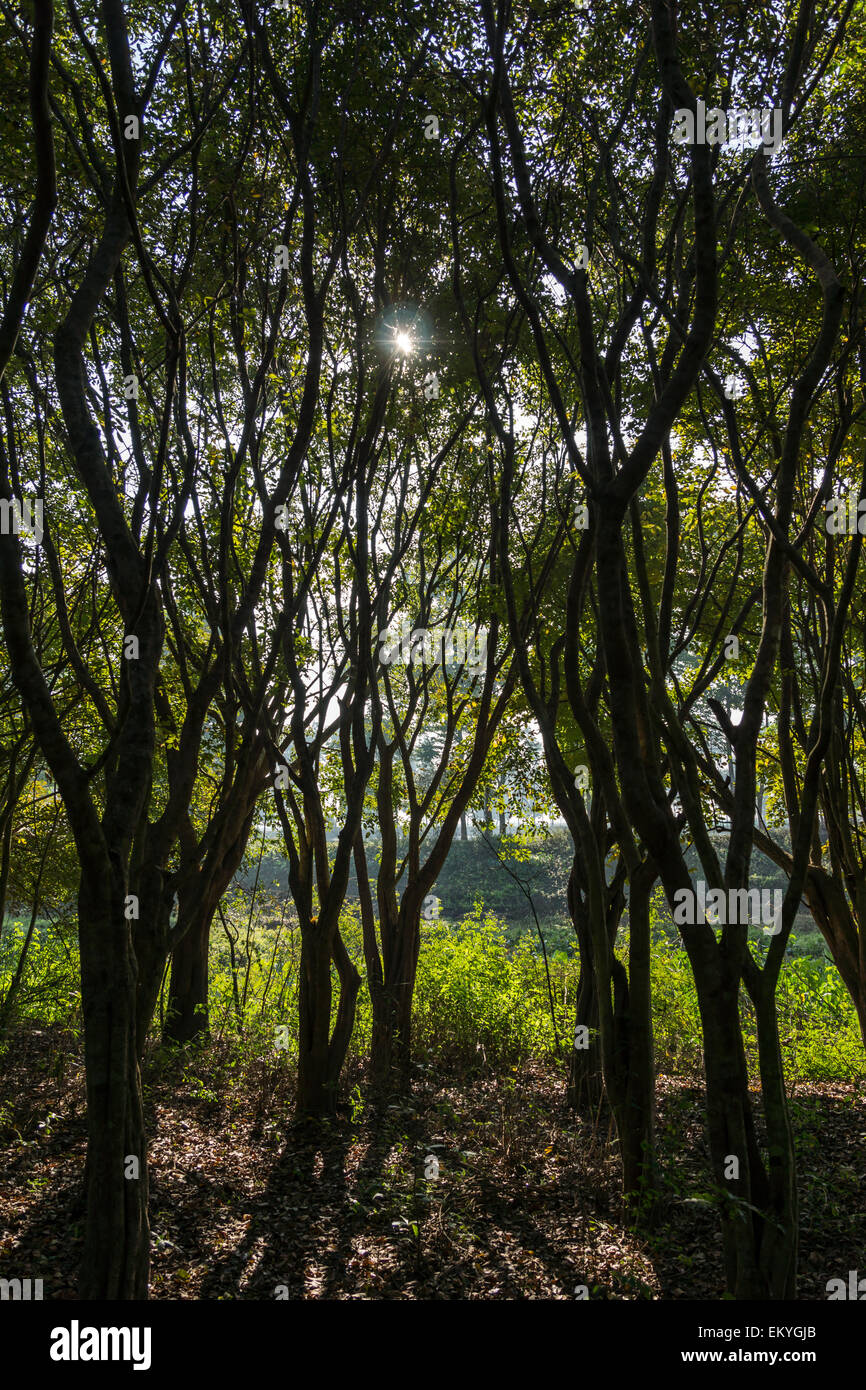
pixel 403 342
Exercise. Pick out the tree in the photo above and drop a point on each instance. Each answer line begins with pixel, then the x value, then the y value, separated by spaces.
pixel 670 277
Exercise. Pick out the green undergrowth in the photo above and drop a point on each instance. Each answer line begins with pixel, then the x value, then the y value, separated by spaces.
pixel 483 1000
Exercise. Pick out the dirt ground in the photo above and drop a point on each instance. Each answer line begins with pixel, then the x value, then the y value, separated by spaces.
pixel 482 1187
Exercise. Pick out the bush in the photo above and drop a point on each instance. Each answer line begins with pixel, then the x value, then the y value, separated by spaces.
pixel 476 998
pixel 481 998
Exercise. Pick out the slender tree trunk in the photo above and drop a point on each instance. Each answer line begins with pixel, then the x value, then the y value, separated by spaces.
pixel 186 1015
pixel 736 1160
pixel 8 1004
pixel 344 1025
pixel 637 1132
pixel 585 1079
pixel 150 938
pixel 12 993
pixel 7 822
pixel 404 993
pixel 389 1022
pixel 116 1259
pixel 625 1036
pixel 391 1048
pixel 187 1012
pixel 322 1052
pixel 381 1072
pixel 314 1009
pixel 779 1235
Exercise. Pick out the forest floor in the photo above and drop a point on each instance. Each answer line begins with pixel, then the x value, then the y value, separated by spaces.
pixel 246 1205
